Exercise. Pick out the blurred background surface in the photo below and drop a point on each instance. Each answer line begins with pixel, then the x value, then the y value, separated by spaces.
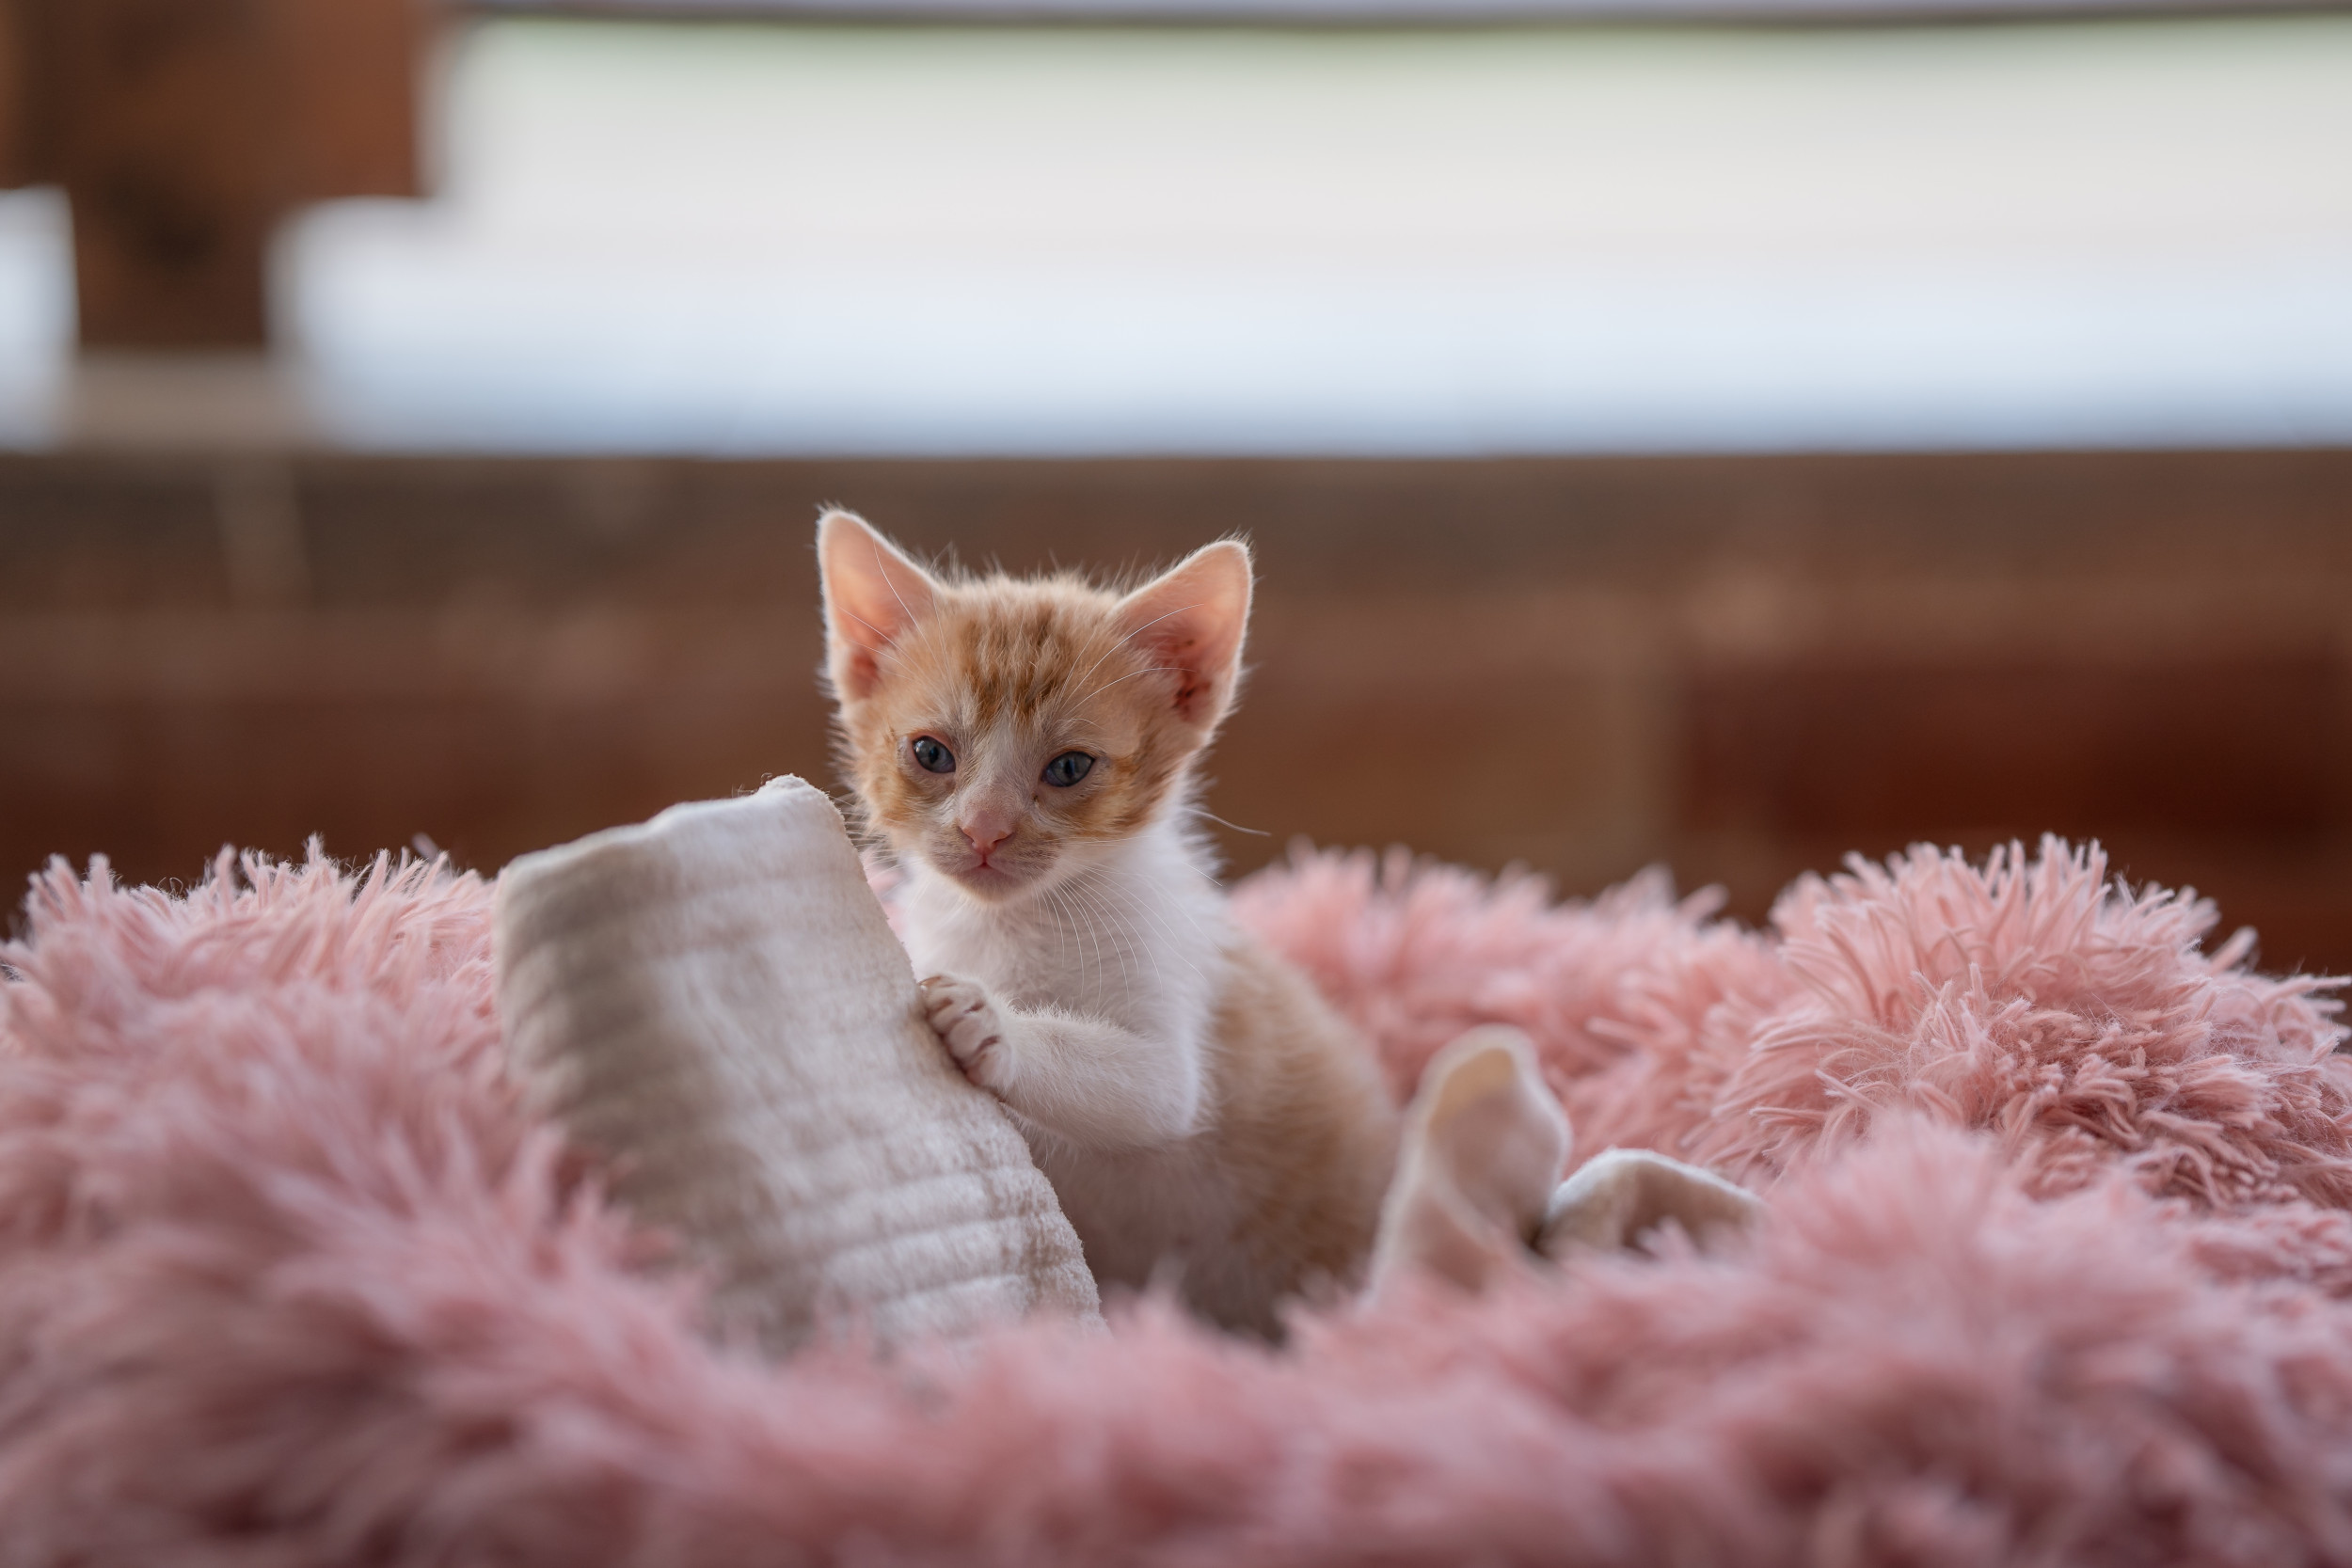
pixel 1724 444
pixel 818 239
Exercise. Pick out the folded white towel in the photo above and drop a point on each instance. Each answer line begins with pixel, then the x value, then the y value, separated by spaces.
pixel 713 1001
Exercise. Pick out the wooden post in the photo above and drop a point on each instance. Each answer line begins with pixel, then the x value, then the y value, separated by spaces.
pixel 184 129
pixel 27 114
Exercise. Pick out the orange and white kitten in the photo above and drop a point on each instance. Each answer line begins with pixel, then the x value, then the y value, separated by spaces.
pixel 1026 748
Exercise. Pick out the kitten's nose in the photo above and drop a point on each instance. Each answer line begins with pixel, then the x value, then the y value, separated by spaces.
pixel 984 831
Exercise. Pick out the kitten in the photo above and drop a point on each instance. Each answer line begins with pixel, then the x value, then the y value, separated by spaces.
pixel 1026 750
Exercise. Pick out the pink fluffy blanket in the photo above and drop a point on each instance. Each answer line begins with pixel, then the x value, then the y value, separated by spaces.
pixel 2056 1268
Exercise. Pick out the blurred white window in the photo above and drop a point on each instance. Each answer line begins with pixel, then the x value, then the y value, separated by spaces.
pixel 738 238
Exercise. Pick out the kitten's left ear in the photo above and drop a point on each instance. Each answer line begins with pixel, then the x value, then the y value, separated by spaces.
pixel 1191 620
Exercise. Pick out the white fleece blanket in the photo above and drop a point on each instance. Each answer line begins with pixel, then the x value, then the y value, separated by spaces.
pixel 714 1000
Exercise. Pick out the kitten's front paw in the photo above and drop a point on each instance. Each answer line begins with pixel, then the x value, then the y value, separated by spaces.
pixel 970 1025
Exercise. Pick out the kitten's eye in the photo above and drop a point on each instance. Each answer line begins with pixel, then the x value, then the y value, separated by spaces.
pixel 1068 768
pixel 931 757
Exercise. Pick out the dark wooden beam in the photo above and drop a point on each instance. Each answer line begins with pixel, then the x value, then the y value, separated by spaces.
pixel 353 69
pixel 1741 667
pixel 183 131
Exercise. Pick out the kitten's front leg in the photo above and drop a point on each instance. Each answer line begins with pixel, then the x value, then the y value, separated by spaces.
pixel 1093 1082
pixel 966 1019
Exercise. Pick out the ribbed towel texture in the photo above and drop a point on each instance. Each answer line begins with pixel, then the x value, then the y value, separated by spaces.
pixel 714 1003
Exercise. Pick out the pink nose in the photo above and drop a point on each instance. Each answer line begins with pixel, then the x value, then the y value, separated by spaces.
pixel 984 834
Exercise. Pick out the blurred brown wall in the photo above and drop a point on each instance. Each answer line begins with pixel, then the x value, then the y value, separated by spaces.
pixel 1743 666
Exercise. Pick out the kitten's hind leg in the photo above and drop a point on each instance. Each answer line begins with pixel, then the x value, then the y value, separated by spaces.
pixel 1482 1147
pixel 1622 1195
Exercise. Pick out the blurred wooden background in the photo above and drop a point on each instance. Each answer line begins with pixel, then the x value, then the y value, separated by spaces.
pixel 1741 667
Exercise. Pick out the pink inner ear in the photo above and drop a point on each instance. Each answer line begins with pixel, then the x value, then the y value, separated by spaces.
pixel 859 672
pixel 1191 620
pixel 856 658
pixel 873 594
pixel 1175 644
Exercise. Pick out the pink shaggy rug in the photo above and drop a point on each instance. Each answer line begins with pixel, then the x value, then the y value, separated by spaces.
pixel 2057 1270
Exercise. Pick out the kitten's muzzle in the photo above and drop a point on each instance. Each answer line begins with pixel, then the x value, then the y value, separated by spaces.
pixel 987 880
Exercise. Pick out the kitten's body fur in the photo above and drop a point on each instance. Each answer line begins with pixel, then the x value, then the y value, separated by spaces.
pixel 1200 1112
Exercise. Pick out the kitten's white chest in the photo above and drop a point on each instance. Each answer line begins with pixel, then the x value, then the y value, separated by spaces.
pixel 1139 938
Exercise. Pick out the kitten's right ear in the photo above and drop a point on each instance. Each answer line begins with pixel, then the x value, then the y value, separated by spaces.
pixel 873 596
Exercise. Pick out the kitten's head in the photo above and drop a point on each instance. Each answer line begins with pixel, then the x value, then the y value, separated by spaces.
pixel 1005 732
